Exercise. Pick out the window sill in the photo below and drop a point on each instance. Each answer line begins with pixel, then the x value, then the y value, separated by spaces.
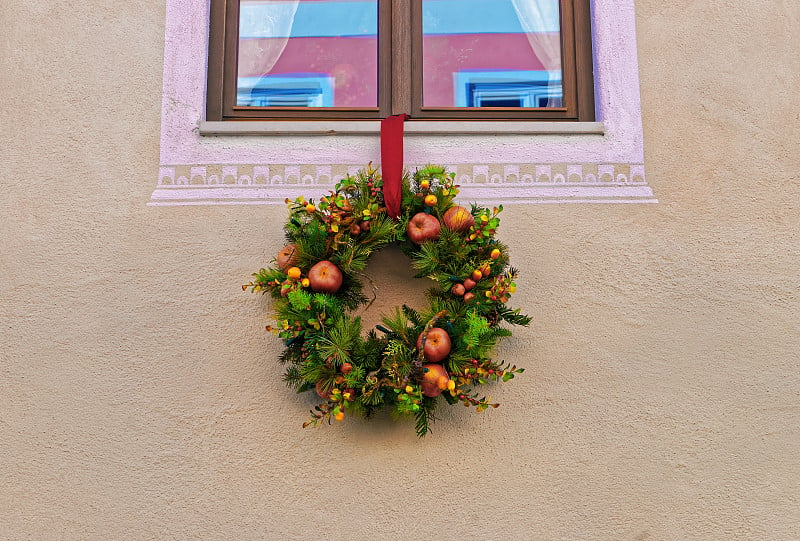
pixel 417 127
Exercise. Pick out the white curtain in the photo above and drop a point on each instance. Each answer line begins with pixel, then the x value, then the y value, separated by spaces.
pixel 265 19
pixel 540 20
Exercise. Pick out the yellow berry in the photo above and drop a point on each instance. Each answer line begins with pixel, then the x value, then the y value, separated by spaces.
pixel 293 273
pixel 310 208
pixel 305 282
pixel 424 184
pixel 409 389
pixel 451 385
pixel 495 254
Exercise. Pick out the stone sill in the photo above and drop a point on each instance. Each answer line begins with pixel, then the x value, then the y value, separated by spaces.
pixel 416 127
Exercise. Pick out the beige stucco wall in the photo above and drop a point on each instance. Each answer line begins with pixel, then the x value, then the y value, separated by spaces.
pixel 138 394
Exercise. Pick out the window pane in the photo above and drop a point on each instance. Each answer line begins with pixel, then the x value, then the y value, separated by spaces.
pixel 491 53
pixel 308 53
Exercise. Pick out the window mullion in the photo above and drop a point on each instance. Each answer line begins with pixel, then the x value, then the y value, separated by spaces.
pixel 584 60
pixel 401 56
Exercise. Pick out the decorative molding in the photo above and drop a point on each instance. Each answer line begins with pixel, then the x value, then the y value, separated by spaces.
pixel 483 183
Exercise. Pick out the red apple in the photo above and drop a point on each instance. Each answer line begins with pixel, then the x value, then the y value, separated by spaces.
pixel 437 345
pixel 469 296
pixel 458 219
pixel 469 283
pixel 423 227
pixel 458 289
pixel 287 257
pixel 325 277
pixel 434 379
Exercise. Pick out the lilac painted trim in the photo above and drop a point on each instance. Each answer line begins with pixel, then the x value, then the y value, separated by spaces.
pixel 486 183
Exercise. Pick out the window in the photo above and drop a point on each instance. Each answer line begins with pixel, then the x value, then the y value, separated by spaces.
pixel 367 59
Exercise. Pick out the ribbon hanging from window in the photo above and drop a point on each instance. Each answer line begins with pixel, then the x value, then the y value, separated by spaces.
pixel 392 162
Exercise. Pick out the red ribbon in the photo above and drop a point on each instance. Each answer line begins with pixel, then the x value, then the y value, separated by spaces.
pixel 392 162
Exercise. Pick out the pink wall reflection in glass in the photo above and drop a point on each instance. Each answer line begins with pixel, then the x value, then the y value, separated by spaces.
pixel 491 53
pixel 304 53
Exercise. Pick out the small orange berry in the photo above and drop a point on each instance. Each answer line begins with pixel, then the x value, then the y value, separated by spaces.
pixel 339 416
pixel 430 200
pixel 310 208
pixel 294 273
pixel 495 254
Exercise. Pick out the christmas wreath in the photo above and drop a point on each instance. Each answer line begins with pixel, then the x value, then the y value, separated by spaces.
pixel 415 359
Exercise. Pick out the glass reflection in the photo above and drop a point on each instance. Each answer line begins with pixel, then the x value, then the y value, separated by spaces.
pixel 491 53
pixel 308 53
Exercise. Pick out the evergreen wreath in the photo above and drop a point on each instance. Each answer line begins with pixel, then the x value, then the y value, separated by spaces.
pixel 444 350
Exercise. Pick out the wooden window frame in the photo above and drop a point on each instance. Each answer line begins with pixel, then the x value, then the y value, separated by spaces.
pixel 400 71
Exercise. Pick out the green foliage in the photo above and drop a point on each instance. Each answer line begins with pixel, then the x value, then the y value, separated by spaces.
pixel 424 417
pixel 412 315
pixel 339 340
pixel 325 350
pixel 514 316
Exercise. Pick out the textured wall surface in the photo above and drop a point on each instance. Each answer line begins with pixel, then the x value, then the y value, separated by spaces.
pixel 139 397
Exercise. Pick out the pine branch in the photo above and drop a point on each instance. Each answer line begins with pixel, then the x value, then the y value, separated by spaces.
pixel 412 315
pixel 425 417
pixel 293 378
pixel 340 340
pixel 397 323
pixel 514 317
